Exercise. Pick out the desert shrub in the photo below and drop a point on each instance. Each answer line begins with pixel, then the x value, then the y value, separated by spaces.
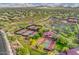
pixel 21 51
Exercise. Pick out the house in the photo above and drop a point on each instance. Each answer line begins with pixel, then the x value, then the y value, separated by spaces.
pixel 25 32
pixel 29 31
pixel 33 27
pixel 74 51
pixel 48 34
pixel 72 20
pixel 47 41
pixel 53 20
pixel 48 44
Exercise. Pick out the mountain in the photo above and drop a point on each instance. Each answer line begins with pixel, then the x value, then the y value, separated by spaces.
pixel 57 4
pixel 39 4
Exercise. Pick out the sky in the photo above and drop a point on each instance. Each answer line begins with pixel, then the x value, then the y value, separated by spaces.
pixel 39 1
pixel 20 3
pixel 39 4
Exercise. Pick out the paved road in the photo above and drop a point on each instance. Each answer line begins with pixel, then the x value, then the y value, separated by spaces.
pixel 4 45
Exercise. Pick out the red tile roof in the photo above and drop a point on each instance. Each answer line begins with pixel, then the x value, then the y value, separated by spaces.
pixel 26 32
pixel 50 45
pixel 49 34
pixel 40 40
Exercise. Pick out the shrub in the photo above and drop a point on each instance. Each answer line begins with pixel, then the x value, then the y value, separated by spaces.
pixel 65 49
pixel 21 51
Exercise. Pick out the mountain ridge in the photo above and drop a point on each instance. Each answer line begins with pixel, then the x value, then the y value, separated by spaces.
pixel 39 4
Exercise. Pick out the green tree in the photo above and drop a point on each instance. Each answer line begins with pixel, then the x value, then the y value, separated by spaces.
pixel 36 36
pixel 62 40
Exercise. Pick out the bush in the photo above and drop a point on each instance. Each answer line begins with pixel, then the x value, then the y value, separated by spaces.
pixel 12 38
pixel 33 42
pixel 58 47
pixel 21 51
pixel 65 49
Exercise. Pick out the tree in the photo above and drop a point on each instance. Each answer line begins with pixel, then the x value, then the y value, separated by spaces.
pixel 62 40
pixel 36 36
